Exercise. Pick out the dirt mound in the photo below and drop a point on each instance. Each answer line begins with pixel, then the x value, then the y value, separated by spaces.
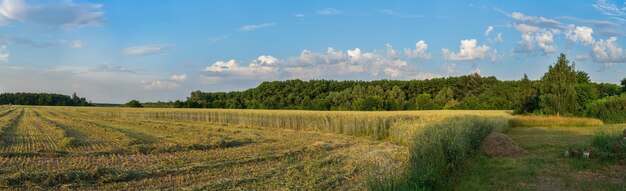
pixel 501 145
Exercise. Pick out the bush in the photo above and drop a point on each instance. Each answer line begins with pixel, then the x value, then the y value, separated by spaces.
pixel 437 152
pixel 133 103
pixel 608 147
pixel 610 109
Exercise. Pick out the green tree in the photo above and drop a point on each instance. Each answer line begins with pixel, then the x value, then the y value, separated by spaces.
pixel 446 94
pixel 425 102
pixel 395 99
pixel 558 91
pixel 526 100
pixel 623 85
pixel 582 77
pixel 133 103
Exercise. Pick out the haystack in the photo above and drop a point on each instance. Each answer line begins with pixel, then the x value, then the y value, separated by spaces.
pixel 501 145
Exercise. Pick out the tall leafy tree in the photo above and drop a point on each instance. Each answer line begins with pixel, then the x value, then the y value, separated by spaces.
pixel 444 96
pixel 558 89
pixel 526 100
pixel 623 85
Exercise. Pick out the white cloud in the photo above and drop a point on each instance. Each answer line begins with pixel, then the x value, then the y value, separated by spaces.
pixel 355 54
pixel 498 38
pixel 329 11
pixel 4 55
pixel 256 27
pixel 108 68
pixel 331 64
pixel 45 44
pixel 400 15
pixel 532 21
pixel 535 30
pixel 545 41
pixel 469 50
pixel 220 66
pixel 581 34
pixel 218 38
pixel 298 15
pixel 158 84
pixel 145 50
pixel 489 30
pixel 264 67
pixel 611 10
pixel 179 77
pixel 607 52
pixel 420 51
pixel 62 14
pixel 582 57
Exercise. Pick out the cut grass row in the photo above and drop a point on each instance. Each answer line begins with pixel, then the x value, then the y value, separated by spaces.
pixel 273 158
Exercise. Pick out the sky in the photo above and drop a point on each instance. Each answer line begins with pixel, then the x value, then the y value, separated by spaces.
pixel 114 51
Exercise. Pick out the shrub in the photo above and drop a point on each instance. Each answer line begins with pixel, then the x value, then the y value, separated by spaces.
pixel 610 109
pixel 607 147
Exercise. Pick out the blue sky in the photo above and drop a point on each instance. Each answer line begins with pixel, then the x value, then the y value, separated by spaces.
pixel 117 50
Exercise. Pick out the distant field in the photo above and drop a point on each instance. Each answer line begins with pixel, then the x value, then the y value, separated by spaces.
pixel 121 148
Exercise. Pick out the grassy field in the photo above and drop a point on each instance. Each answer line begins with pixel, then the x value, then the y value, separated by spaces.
pixel 546 167
pixel 87 148
pixel 121 148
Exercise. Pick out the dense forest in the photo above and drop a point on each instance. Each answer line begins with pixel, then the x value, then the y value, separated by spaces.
pixel 42 99
pixel 462 92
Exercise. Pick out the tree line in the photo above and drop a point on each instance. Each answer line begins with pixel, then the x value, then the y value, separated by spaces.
pixel 561 91
pixel 47 99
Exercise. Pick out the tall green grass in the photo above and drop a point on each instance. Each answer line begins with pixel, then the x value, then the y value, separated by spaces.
pixel 437 152
pixel 553 121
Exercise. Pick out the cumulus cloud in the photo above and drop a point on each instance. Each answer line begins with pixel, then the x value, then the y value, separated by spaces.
pixel 179 77
pixel 489 30
pixel 469 50
pixel 581 34
pixel 545 41
pixel 331 64
pixel 158 84
pixel 537 31
pixel 256 27
pixel 264 67
pixel 329 11
pixel 607 52
pixel 62 14
pixel 420 51
pixel 145 50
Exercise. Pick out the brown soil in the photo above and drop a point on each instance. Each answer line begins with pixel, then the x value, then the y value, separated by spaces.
pixel 501 145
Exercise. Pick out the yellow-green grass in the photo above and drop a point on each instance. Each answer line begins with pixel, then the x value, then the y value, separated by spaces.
pixel 68 148
pixel 545 167
pixel 395 126
pixel 553 121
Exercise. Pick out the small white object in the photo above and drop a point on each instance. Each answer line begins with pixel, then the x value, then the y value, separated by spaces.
pixel 586 154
